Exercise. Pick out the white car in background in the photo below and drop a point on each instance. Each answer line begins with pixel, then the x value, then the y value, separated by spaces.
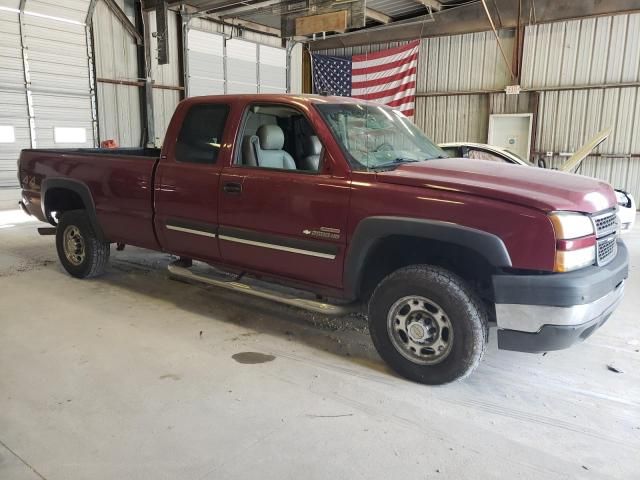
pixel 480 151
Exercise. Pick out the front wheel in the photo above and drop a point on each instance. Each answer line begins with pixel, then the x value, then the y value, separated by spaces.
pixel 80 251
pixel 427 324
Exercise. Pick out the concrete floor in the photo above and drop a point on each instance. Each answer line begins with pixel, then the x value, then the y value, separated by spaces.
pixel 132 376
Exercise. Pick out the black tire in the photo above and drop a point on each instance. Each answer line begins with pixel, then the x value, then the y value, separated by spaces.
pixel 95 252
pixel 465 323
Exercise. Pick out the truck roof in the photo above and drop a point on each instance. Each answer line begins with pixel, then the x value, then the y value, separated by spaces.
pixel 281 97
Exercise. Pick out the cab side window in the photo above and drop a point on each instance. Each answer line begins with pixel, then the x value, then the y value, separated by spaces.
pixel 200 137
pixel 279 137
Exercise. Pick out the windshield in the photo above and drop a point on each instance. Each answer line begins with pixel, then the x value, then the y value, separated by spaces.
pixel 377 137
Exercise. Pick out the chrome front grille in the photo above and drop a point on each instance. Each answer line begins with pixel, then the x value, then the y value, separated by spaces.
pixel 607 248
pixel 605 223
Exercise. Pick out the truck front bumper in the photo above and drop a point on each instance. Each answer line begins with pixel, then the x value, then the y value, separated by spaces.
pixel 540 313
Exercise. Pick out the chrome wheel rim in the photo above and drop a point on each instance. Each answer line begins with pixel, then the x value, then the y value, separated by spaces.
pixel 73 245
pixel 420 330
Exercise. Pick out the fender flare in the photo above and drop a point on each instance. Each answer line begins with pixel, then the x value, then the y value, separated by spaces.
pixel 83 192
pixel 373 229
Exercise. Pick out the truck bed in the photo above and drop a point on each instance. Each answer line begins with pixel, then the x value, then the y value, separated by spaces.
pixel 119 180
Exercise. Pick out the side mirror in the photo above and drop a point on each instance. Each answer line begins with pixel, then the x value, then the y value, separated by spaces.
pixel 542 163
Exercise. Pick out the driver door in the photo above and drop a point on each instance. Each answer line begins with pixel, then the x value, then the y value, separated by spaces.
pixel 286 222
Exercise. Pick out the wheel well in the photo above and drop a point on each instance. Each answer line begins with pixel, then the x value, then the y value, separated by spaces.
pixel 61 200
pixel 396 251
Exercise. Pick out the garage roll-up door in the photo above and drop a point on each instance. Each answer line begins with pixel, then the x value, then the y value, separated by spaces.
pixel 242 75
pixel 46 94
pixel 60 84
pixel 14 119
pixel 273 69
pixel 205 63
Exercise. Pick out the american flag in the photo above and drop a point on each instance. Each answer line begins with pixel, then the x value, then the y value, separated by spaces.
pixel 387 77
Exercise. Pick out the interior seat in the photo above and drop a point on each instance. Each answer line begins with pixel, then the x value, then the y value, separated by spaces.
pixel 270 152
pixel 312 148
pixel 250 145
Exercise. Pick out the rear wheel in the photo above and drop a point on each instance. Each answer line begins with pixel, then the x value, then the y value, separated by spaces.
pixel 427 324
pixel 80 251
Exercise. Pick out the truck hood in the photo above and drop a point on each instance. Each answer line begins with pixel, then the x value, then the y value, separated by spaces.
pixel 576 159
pixel 545 190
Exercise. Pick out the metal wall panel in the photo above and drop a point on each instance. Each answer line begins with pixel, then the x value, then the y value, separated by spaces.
pixel 591 51
pixel 567 119
pixel 116 58
pixel 453 117
pixel 464 62
pixel 12 98
pixel 164 100
pixel 503 103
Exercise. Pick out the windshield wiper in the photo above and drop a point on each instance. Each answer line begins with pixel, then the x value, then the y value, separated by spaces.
pixel 395 163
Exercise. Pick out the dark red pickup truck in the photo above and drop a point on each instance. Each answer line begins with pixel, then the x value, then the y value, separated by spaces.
pixel 347 204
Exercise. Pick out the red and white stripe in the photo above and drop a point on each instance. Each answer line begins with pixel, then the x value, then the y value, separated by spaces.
pixel 387 77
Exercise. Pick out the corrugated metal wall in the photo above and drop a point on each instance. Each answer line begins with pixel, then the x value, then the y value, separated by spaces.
pixel 457 63
pixel 116 58
pixel 580 76
pixel 462 63
pixel 165 100
pixel 581 55
pixel 445 118
pixel 603 50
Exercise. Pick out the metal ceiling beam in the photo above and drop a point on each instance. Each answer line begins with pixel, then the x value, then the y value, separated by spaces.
pixel 243 8
pixel 377 16
pixel 124 20
pixel 432 4
pixel 256 27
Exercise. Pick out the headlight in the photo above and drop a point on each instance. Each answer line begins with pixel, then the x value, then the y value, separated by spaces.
pixel 569 225
pixel 575 241
pixel 573 259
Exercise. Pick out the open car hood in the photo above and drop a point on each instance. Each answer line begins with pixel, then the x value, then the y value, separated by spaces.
pixel 576 159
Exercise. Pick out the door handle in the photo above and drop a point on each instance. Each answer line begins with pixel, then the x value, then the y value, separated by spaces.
pixel 232 187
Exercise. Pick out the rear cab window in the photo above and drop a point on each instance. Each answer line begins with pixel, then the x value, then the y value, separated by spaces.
pixel 200 136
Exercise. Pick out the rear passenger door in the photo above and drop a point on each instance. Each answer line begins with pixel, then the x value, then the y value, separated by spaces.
pixel 187 179
pixel 281 212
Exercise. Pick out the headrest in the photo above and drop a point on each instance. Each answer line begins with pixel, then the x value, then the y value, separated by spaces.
pixel 271 137
pixel 312 145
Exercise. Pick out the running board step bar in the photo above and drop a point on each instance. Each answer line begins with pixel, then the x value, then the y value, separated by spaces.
pixel 263 292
